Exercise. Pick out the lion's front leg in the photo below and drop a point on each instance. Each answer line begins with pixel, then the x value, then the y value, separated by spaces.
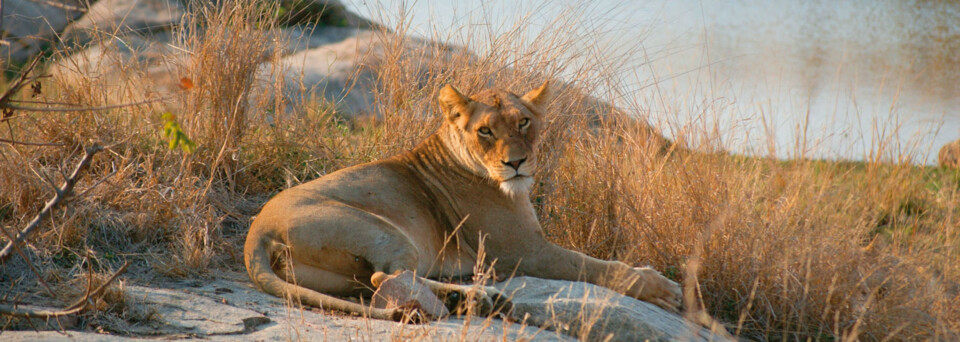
pixel 644 283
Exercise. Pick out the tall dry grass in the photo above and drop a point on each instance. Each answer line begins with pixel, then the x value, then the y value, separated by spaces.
pixel 796 249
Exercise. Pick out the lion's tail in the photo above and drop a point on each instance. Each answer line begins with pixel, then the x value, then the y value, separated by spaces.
pixel 257 257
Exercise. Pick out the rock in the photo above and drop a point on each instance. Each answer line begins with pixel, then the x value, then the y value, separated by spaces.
pixel 231 309
pixel 302 39
pixel 323 73
pixel 30 25
pixel 115 64
pixel 179 312
pixel 231 305
pixel 295 322
pixel 321 62
pixel 333 72
pixel 66 336
pixel 594 313
pixel 949 155
pixel 126 44
pixel 122 17
pixel 344 73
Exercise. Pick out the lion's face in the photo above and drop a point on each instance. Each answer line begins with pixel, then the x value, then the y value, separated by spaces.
pixel 495 133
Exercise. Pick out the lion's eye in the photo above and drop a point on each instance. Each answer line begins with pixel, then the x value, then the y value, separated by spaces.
pixel 524 122
pixel 485 131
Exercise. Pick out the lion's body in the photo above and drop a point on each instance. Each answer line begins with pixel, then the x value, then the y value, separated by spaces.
pixel 425 210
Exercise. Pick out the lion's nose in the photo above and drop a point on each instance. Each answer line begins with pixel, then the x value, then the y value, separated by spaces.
pixel 515 164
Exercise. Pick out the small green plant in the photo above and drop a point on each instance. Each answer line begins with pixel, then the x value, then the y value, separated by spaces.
pixel 173 132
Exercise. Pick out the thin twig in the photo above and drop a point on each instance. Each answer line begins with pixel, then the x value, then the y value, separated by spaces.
pixel 104 179
pixel 82 302
pixel 78 306
pixel 60 194
pixel 41 175
pixel 44 102
pixel 29 143
pixel 80 109
pixel 61 5
pixel 20 82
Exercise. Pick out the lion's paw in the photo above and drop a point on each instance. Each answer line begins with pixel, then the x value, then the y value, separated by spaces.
pixel 411 313
pixel 478 300
pixel 654 288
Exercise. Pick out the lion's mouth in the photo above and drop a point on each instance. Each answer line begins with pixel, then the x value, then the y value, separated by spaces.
pixel 507 174
pixel 513 176
pixel 518 178
pixel 517 185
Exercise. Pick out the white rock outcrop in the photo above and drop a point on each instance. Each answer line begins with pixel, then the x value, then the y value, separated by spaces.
pixel 594 313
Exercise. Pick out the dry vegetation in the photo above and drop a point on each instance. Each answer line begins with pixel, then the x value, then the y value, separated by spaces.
pixel 798 249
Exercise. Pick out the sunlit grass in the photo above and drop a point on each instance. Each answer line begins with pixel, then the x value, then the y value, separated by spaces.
pixel 783 249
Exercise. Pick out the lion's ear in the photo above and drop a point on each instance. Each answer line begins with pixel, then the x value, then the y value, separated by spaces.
pixel 453 103
pixel 539 97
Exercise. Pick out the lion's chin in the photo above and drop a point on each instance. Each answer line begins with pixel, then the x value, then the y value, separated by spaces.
pixel 517 186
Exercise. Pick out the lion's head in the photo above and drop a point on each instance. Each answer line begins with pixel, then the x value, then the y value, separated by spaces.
pixel 495 133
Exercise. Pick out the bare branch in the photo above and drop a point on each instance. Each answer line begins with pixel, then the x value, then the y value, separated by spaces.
pixel 60 194
pixel 23 80
pixel 79 109
pixel 29 143
pixel 11 310
pixel 104 179
pixel 49 103
pixel 82 302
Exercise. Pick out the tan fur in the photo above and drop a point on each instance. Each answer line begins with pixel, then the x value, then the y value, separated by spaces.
pixel 330 236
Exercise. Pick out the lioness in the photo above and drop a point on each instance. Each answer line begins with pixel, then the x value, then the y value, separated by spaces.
pixel 426 210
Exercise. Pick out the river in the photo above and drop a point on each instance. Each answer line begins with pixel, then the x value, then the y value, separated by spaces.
pixel 858 79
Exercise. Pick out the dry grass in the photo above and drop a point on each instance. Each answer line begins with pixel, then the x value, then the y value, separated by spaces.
pixel 798 249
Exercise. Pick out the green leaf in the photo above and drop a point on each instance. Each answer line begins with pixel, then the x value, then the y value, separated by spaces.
pixel 176 136
pixel 188 145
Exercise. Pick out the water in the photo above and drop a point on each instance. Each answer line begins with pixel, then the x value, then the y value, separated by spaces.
pixel 818 79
